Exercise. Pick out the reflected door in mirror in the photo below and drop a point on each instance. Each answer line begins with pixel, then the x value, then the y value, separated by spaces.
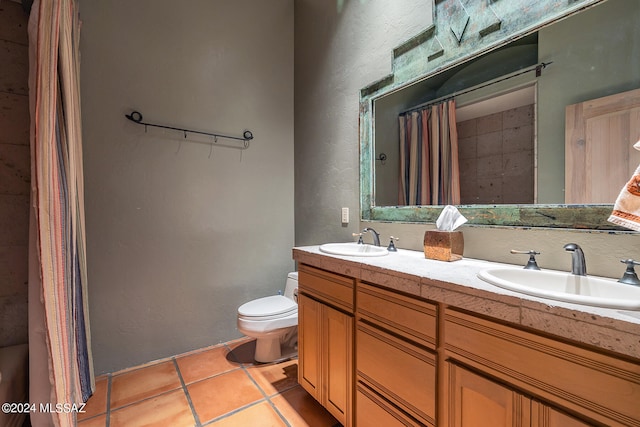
pixel 600 157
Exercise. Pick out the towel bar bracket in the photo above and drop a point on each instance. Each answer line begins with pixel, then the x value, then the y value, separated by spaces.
pixel 247 135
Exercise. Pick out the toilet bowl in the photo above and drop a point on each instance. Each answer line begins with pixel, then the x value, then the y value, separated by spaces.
pixel 273 321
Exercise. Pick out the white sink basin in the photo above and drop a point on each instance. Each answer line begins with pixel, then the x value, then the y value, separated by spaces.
pixel 564 286
pixel 353 249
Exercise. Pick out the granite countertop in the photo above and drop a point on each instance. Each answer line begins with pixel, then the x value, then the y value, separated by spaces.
pixel 457 284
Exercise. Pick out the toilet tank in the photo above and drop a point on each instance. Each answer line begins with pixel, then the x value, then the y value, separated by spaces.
pixel 291 286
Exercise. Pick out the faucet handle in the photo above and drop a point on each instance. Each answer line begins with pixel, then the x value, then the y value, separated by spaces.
pixel 630 277
pixel 531 264
pixel 392 246
pixel 359 236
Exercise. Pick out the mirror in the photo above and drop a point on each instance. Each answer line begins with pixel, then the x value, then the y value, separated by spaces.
pixel 591 50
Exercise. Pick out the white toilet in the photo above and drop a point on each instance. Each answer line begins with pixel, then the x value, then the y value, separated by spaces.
pixel 273 321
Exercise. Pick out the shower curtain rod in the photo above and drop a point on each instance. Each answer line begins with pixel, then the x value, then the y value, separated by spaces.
pixel 537 68
pixel 247 136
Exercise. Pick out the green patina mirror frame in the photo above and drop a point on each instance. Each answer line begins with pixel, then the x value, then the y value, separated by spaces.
pixel 482 26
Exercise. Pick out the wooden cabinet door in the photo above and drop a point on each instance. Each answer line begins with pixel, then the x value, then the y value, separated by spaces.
pixel 337 363
pixel 475 401
pixel 309 345
pixel 325 355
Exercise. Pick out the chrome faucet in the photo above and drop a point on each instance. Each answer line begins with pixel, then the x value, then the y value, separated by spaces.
pixel 578 264
pixel 375 234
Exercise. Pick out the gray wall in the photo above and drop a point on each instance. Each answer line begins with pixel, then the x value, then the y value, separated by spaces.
pixel 336 55
pixel 338 52
pixel 179 236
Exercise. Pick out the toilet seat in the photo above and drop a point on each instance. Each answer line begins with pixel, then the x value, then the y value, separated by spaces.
pixel 268 308
pixel 249 326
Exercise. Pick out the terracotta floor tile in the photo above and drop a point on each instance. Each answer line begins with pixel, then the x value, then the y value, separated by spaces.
pixel 261 414
pixel 205 364
pixel 169 409
pixel 224 384
pixel 222 394
pixel 275 378
pixel 97 403
pixel 300 409
pixel 143 383
pixel 99 421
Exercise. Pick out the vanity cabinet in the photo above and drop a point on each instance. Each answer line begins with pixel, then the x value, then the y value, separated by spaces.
pixel 376 356
pixel 325 339
pixel 498 375
pixel 395 358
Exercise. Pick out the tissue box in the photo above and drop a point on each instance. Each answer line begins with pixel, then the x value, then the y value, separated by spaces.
pixel 443 245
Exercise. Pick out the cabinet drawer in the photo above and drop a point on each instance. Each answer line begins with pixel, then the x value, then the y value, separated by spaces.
pixel 405 374
pixel 591 383
pixel 372 410
pixel 327 287
pixel 410 317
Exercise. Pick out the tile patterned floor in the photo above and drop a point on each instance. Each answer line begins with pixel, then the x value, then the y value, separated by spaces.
pixel 219 386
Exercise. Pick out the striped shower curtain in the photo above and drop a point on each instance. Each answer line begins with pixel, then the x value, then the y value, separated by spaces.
pixel 58 275
pixel 429 168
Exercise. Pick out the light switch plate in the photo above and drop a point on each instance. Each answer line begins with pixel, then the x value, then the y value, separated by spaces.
pixel 345 215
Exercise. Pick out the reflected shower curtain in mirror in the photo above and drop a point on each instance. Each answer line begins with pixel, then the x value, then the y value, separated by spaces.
pixel 58 306
pixel 429 168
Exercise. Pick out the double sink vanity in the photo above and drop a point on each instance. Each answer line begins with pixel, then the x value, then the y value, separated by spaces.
pixel 395 339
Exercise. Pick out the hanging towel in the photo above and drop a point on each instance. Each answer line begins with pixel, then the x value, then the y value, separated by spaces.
pixel 626 211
